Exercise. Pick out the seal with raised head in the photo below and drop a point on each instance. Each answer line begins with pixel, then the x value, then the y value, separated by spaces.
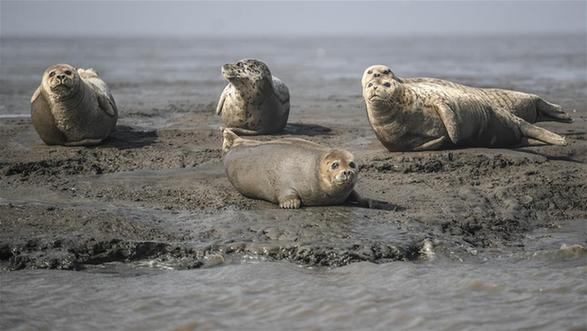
pixel 73 107
pixel 290 172
pixel 254 102
pixel 427 114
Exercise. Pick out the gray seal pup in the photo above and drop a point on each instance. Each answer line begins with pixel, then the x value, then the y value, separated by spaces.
pixel 290 172
pixel 254 102
pixel 428 114
pixel 73 107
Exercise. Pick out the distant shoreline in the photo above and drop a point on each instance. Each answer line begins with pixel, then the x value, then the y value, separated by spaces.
pixel 400 36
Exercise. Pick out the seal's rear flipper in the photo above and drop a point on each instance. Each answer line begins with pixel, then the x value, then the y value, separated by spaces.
pixel 229 139
pixel 550 112
pixel 87 73
pixel 538 133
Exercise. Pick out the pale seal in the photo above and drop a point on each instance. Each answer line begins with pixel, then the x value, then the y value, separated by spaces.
pixel 254 101
pixel 73 107
pixel 428 114
pixel 290 172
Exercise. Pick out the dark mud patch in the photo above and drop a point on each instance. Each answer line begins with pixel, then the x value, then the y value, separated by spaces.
pixel 306 129
pixel 58 237
pixel 109 158
pixel 128 137
pixel 449 161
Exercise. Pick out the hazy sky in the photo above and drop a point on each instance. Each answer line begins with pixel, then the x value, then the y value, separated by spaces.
pixel 158 18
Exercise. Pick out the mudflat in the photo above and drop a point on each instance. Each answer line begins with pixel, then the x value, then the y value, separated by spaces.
pixel 156 189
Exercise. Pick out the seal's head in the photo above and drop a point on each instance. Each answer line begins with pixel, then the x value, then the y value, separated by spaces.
pixel 247 71
pixel 377 71
pixel 380 85
pixel 60 80
pixel 338 169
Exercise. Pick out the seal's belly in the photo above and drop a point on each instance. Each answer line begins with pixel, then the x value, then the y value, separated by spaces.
pixel 406 128
pixel 236 113
pixel 84 121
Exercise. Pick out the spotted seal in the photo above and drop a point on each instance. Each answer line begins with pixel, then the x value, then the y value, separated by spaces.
pixel 254 101
pixel 428 114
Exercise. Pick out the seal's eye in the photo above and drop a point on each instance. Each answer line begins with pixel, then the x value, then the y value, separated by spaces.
pixel 369 72
pixel 387 84
pixel 386 72
pixel 239 64
pixel 370 84
pixel 52 73
pixel 334 165
pixel 67 72
pixel 352 165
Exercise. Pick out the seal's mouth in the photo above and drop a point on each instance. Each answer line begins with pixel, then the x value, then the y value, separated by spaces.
pixel 345 177
pixel 375 97
pixel 61 88
pixel 228 72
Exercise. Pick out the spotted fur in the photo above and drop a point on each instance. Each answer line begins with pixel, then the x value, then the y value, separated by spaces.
pixel 254 101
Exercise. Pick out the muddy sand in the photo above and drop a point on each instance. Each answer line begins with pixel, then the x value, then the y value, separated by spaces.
pixel 156 190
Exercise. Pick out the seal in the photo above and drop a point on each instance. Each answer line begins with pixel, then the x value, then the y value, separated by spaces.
pixel 73 107
pixel 429 114
pixel 254 102
pixel 290 172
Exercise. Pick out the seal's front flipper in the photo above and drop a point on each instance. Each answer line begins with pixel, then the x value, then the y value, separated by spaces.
pixel 289 200
pixel 246 132
pixel 221 101
pixel 432 145
pixel 449 119
pixel 36 94
pixel 356 200
pixel 84 142
pixel 43 120
pixel 538 133
pixel 107 105
pixel 550 112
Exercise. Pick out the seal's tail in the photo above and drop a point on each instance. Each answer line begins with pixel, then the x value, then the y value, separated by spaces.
pixel 229 139
pixel 550 112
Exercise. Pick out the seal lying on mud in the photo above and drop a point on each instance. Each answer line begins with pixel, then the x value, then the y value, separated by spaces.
pixel 73 107
pixel 290 172
pixel 253 102
pixel 427 113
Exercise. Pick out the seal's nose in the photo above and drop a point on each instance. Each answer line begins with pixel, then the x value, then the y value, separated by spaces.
pixel 376 74
pixel 61 76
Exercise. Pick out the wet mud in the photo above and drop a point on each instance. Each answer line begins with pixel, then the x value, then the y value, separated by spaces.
pixel 156 191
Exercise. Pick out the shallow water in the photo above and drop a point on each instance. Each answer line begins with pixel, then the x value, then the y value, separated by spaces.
pixel 316 68
pixel 542 288
pixel 262 295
